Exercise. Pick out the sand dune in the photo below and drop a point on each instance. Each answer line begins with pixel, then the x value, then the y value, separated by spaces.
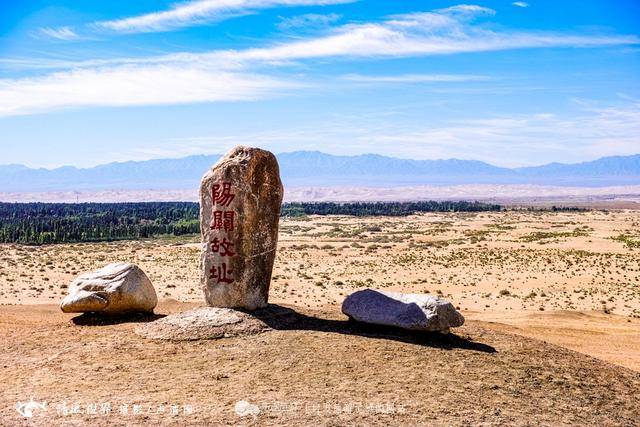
pixel 500 193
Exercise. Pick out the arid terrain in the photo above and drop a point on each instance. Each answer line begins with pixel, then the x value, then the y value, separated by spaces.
pixel 552 302
pixel 615 197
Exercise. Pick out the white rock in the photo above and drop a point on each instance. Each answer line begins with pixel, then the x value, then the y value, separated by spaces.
pixel 114 289
pixel 408 311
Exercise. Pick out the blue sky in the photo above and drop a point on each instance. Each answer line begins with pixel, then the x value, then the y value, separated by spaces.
pixel 509 83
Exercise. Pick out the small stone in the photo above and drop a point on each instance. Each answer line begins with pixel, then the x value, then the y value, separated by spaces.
pixel 240 200
pixel 421 312
pixel 114 289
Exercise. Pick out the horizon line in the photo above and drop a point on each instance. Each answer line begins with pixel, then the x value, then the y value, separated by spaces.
pixel 320 152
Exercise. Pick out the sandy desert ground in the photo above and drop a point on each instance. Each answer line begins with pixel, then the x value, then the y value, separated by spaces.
pixel 552 302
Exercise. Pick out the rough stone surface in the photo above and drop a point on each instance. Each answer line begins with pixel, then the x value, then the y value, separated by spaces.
pixel 114 289
pixel 214 322
pixel 408 311
pixel 240 200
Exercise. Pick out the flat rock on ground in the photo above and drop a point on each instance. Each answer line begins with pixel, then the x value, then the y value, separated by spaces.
pixel 210 323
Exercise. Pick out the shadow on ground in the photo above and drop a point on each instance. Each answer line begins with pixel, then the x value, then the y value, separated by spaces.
pixel 284 318
pixel 101 319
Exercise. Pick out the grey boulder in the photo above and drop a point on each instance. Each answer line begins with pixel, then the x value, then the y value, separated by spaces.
pixel 114 289
pixel 408 311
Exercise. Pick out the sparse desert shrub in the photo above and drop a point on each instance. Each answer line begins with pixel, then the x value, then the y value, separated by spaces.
pixel 629 240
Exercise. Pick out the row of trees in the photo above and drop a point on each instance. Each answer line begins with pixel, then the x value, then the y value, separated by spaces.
pixel 45 223
pixel 384 208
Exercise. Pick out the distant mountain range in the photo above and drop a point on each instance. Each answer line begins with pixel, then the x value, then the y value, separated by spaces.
pixel 313 168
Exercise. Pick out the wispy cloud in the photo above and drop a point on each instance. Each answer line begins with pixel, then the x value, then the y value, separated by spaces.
pixel 62 33
pixel 309 20
pixel 132 86
pixel 446 31
pixel 414 78
pixel 232 74
pixel 466 9
pixel 504 140
pixel 538 138
pixel 199 12
pixel 442 32
pixel 520 4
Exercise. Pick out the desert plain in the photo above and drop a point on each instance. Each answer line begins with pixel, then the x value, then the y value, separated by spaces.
pixel 552 332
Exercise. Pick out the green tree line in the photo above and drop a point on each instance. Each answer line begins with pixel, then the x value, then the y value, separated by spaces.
pixel 46 223
pixel 384 208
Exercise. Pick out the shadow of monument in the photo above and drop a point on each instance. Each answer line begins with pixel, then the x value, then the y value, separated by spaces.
pixel 283 318
pixel 102 319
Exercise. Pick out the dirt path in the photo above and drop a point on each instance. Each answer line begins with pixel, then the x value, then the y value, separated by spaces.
pixel 324 370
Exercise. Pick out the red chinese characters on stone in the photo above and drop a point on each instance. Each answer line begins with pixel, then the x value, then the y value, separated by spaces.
pixel 221 273
pixel 224 247
pixel 222 194
pixel 223 221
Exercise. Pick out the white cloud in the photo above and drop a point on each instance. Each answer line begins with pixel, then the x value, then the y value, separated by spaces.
pixel 223 75
pixel 515 140
pixel 418 34
pixel 132 86
pixel 444 31
pixel 468 9
pixel 427 33
pixel 509 140
pixel 62 33
pixel 309 20
pixel 200 11
pixel 520 4
pixel 414 78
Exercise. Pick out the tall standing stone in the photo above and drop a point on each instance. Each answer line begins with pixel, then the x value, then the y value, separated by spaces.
pixel 240 200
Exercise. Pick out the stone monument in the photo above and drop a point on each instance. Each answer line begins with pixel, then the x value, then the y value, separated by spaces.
pixel 240 199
